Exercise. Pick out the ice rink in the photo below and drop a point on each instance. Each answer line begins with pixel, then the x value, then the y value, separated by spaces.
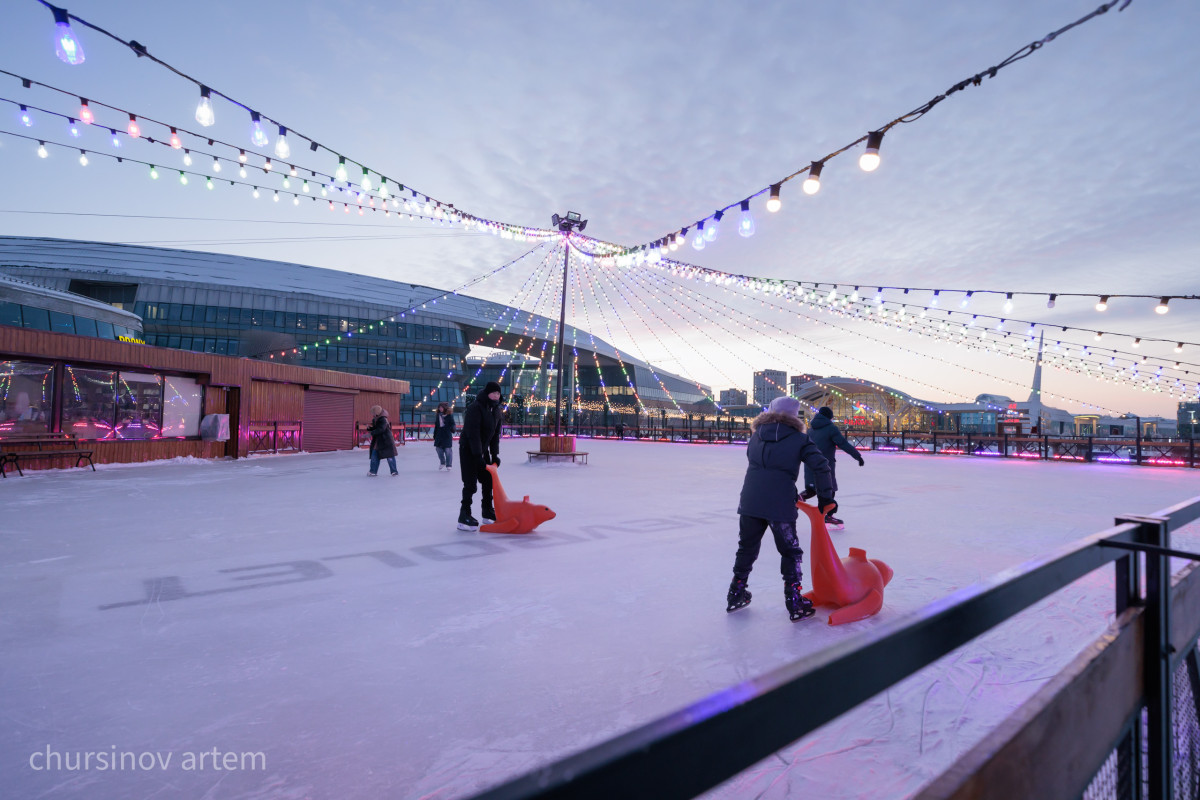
pixel 285 627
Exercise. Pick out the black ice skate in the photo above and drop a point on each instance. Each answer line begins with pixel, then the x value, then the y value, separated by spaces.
pixel 466 522
pixel 738 597
pixel 798 605
pixel 833 523
pixel 489 516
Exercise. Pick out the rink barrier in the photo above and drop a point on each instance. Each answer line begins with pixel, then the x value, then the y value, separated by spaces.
pixel 1110 710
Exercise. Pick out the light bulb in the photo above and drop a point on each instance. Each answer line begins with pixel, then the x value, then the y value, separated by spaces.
pixel 869 160
pixel 746 223
pixel 204 109
pixel 306 187
pixel 1178 348
pixel 267 166
pixel 879 296
pixel 153 172
pixel 83 161
pixel 296 200
pixel 26 120
pixel 116 140
pixel 774 204
pixel 282 148
pixel 85 113
pixel 276 197
pixel 366 180
pixel 698 240
pixel 933 301
pixel 711 227
pixel 208 183
pixel 175 142
pixel 340 172
pixel 74 128
pixel 1099 335
pixel 1050 302
pixel 383 190
pixel 1102 303
pixel 255 192
pixel 187 158
pixel 133 128
pixel 41 151
pixel 1137 342
pixel 1161 308
pixel 216 165
pixel 241 172
pixel 242 157
pixel 258 136
pixel 66 46
pixel 812 184
pixel 287 184
pixel 1008 306
pixel 183 178
pixel 966 301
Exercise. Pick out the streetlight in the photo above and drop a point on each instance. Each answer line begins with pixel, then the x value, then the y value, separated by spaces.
pixel 571 222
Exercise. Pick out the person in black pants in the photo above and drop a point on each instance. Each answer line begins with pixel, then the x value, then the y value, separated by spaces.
pixel 478 446
pixel 828 439
pixel 775 451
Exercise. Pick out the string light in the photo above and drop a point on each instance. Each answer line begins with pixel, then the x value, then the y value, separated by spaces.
pixel 133 129
pixel 869 160
pixel 66 46
pixel 204 109
pixel 282 148
pixel 773 204
pixel 340 173
pixel 153 172
pixel 1050 302
pixel 258 137
pixel 41 151
pixel 366 180
pixel 83 159
pixel 1008 304
pixel 26 120
pixel 746 224
pixel 1102 303
pixel 1161 308
pixel 812 184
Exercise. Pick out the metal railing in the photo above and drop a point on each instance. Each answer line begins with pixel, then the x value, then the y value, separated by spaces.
pixel 694 749
pixel 276 436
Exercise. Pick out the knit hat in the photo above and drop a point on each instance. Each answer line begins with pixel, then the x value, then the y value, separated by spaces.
pixel 492 386
pixel 785 405
pixel 376 410
pixel 825 411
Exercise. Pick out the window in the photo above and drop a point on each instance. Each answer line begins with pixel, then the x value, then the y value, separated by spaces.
pixel 37 318
pixel 185 343
pixel 10 314
pixel 139 406
pixel 322 323
pixel 183 405
pixel 222 316
pixel 173 341
pixel 85 326
pixel 105 330
pixel 322 353
pixel 186 312
pixel 62 323
pixel 302 321
pixel 222 347
pixel 401 330
pixel 362 354
pixel 342 354
pixel 26 398
pixel 280 319
pixel 89 403
pixel 233 347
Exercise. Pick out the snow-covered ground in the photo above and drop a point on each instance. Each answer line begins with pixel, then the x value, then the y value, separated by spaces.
pixel 285 627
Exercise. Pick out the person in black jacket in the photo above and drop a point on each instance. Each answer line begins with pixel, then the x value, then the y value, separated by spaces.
pixel 383 445
pixel 443 436
pixel 478 446
pixel 777 446
pixel 826 436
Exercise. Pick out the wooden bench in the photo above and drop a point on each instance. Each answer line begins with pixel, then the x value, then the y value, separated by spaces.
pixel 48 446
pixel 551 456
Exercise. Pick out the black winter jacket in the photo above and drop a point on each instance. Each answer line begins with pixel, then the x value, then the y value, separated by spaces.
pixel 776 449
pixel 382 441
pixel 443 430
pixel 481 428
pixel 826 436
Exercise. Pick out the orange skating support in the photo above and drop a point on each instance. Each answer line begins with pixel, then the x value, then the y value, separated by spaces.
pixel 854 584
pixel 513 517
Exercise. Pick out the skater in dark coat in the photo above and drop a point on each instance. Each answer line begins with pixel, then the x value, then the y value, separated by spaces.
pixel 776 449
pixel 478 446
pixel 383 444
pixel 826 436
pixel 443 436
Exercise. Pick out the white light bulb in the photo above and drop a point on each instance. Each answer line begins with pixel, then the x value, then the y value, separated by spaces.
pixel 258 136
pixel 41 151
pixel 241 172
pixel 216 165
pixel 204 109
pixel 710 229
pixel 366 181
pixel 83 159
pixel 187 158
pixel 282 148
pixel 340 173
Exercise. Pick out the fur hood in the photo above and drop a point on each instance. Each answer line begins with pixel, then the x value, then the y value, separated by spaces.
pixel 768 417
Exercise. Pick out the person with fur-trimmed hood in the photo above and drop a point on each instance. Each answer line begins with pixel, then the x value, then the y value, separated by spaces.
pixel 478 446
pixel 777 447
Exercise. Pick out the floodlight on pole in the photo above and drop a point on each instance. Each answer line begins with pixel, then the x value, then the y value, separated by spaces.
pixel 573 221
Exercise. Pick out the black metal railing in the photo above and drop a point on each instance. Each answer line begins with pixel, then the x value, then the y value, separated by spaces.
pixel 685 753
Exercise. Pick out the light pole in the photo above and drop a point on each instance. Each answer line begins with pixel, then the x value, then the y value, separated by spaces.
pixel 571 222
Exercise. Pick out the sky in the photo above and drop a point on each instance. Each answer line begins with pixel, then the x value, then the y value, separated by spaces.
pixel 368 649
pixel 1070 171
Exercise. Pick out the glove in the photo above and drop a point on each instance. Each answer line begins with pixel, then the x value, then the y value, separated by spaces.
pixel 495 460
pixel 823 502
pixel 861 462
pixel 483 463
pixel 808 492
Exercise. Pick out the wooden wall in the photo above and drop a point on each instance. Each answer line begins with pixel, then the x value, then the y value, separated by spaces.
pixel 262 390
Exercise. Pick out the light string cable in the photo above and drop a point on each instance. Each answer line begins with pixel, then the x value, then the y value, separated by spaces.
pixel 798 288
pixel 633 340
pixel 440 294
pixel 539 277
pixel 619 289
pixel 629 382
pixel 873 140
pixel 185 174
pixel 257 117
pixel 811 349
pixel 932 336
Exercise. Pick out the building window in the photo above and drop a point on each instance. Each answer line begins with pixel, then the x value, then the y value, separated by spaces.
pixel 186 312
pixel 62 323
pixel 36 318
pixel 26 389
pixel 183 405
pixel 139 406
pixel 89 403
pixel 10 314
pixel 210 314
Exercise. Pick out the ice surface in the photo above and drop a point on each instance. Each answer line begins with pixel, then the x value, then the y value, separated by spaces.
pixel 340 626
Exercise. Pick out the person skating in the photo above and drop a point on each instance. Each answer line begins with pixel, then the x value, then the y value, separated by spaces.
pixel 478 446
pixel 383 443
pixel 826 436
pixel 443 436
pixel 775 451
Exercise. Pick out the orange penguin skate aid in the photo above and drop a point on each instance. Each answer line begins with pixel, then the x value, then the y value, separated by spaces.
pixel 512 516
pixel 854 584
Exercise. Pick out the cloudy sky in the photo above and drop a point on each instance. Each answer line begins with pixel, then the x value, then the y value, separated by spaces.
pixel 1073 170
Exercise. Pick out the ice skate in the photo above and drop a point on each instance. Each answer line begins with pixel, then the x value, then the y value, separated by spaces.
pixel 489 516
pixel 466 522
pixel 738 597
pixel 833 523
pixel 798 605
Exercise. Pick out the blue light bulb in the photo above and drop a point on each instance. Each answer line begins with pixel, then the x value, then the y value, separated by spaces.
pixel 66 46
pixel 746 223
pixel 257 135
pixel 26 120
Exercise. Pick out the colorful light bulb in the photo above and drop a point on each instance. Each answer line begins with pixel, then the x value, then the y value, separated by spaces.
pixel 282 148
pixel 746 223
pixel 711 227
pixel 183 178
pixel 133 129
pixel 26 120
pixel 340 172
pixel 66 46
pixel 366 180
pixel 85 113
pixel 74 128
pixel 258 136
pixel 153 172
pixel 175 142
pixel 208 183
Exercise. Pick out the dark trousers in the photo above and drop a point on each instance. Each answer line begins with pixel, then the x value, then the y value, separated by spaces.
pixel 750 534
pixel 472 473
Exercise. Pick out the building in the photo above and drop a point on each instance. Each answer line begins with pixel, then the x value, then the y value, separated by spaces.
pixel 733 397
pixel 1186 419
pixel 796 381
pixel 769 384
pixel 28 305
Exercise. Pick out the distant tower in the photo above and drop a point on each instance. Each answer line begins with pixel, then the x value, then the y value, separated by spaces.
pixel 1035 394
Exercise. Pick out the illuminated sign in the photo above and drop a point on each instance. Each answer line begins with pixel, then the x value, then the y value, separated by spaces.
pixel 130 339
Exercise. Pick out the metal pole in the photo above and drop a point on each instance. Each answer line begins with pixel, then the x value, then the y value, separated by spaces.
pixel 562 338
